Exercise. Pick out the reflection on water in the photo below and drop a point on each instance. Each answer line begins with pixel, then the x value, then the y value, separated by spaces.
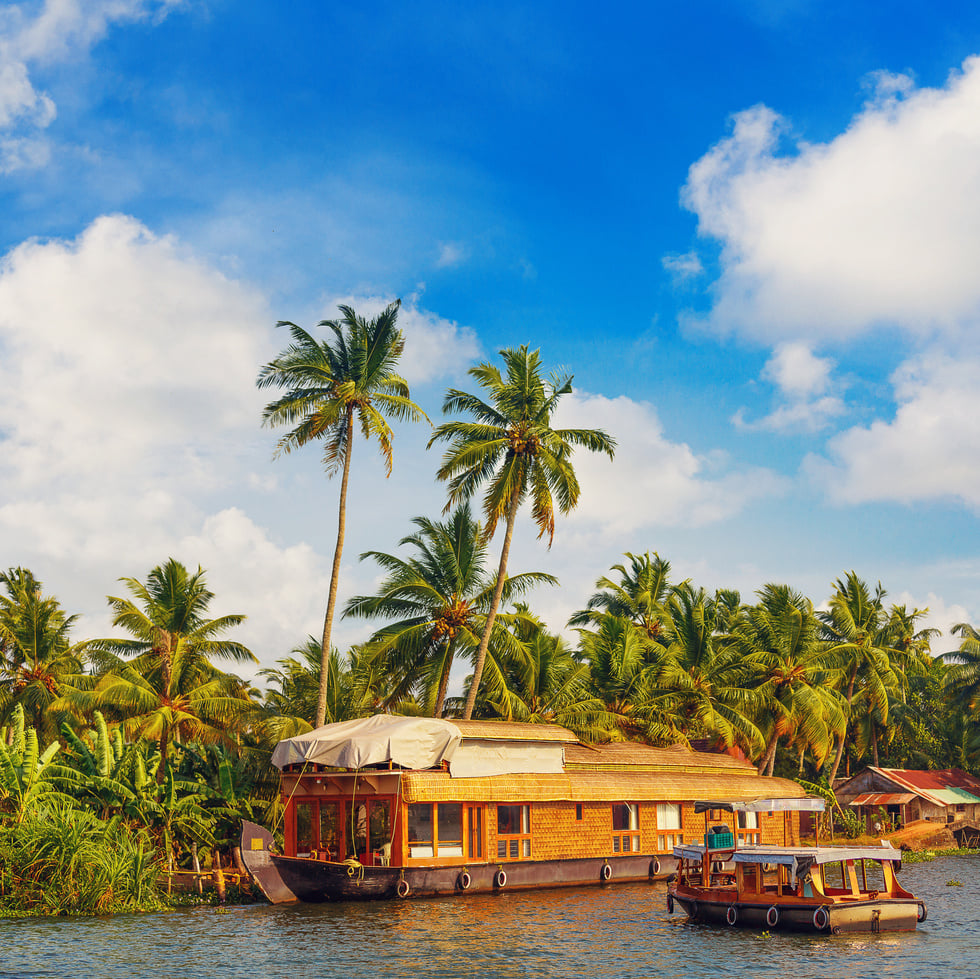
pixel 616 931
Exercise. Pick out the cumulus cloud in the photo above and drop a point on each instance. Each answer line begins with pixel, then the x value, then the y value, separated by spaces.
pixel 653 481
pixel 802 381
pixel 880 225
pixel 930 448
pixel 60 30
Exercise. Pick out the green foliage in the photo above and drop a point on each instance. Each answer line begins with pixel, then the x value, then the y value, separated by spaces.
pixel 59 860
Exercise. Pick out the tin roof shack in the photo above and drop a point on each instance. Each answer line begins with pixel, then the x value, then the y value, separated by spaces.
pixel 889 798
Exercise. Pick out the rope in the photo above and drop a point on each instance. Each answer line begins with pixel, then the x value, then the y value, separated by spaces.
pixel 291 794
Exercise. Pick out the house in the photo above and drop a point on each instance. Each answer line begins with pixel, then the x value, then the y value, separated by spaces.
pixel 897 796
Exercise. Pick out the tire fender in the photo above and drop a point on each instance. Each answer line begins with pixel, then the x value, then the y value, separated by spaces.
pixel 821 918
pixel 731 915
pixel 772 916
pixel 500 878
pixel 606 871
pixel 464 880
pixel 403 889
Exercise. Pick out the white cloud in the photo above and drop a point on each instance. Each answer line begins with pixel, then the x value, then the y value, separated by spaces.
pixel 881 225
pixel 683 267
pixel 801 380
pixel 930 449
pixel 652 481
pixel 125 360
pixel 451 254
pixel 60 30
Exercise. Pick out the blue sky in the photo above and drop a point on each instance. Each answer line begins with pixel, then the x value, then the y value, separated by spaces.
pixel 751 230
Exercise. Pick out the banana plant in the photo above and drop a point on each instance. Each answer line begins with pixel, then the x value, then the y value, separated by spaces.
pixel 27 775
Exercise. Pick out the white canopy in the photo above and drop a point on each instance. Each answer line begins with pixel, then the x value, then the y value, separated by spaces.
pixel 412 742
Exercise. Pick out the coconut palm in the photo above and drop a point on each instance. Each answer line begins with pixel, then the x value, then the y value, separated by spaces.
pixel 855 628
pixel 540 680
pixel 36 653
pixel 167 687
pixel 714 686
pixel 639 595
pixel 962 681
pixel 781 637
pixel 328 387
pixel 511 450
pixel 355 688
pixel 439 598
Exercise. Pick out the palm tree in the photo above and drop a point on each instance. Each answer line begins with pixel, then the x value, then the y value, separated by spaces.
pixel 963 676
pixel 511 448
pixel 327 387
pixel 640 594
pixel 855 628
pixel 540 680
pixel 715 687
pixel 169 688
pixel 781 636
pixel 439 598
pixel 36 654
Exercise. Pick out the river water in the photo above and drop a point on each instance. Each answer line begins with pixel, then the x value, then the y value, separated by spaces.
pixel 600 932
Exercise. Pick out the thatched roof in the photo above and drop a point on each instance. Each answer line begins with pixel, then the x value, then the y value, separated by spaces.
pixel 513 731
pixel 679 785
pixel 629 756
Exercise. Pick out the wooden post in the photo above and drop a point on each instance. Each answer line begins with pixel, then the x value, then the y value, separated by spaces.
pixel 217 875
pixel 244 878
pixel 197 868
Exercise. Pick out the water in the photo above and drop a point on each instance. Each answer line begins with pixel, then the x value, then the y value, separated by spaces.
pixel 619 931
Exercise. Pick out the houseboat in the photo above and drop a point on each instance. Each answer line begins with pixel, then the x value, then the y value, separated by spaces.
pixel 829 889
pixel 397 807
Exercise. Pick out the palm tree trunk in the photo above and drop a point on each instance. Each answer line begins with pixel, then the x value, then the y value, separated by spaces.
pixel 765 766
pixel 444 681
pixel 481 652
pixel 321 702
pixel 840 746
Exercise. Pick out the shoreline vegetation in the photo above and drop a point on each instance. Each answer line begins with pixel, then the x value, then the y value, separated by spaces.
pixel 126 759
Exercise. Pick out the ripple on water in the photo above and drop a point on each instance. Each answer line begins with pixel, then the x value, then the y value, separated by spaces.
pixel 599 933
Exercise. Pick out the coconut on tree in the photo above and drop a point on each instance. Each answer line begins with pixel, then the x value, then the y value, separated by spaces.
pixel 331 387
pixel 510 451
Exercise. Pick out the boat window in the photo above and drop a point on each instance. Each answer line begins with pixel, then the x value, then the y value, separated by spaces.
pixel 329 826
pixel 626 825
pixel 304 828
pixel 356 829
pixel 748 828
pixel 578 811
pixel 513 832
pixel 380 823
pixel 420 840
pixel 476 833
pixel 668 815
pixel 449 842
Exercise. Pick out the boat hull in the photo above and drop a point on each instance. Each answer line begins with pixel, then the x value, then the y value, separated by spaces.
pixel 283 879
pixel 892 914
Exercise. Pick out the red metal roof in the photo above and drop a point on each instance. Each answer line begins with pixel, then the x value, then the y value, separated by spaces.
pixel 880 799
pixel 926 783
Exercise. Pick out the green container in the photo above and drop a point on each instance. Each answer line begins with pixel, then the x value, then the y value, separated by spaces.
pixel 719 841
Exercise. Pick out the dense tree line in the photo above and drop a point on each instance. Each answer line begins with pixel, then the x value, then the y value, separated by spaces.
pixel 146 740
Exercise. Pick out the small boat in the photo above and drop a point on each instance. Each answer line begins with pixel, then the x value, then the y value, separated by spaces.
pixel 398 807
pixel 824 889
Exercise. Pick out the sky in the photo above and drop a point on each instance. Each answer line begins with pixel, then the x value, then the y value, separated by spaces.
pixel 750 229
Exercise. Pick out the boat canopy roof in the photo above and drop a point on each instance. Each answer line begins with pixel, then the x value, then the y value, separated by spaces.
pixel 797 858
pixel 411 742
pixel 806 804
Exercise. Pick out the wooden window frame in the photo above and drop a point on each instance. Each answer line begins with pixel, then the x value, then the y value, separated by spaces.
pixel 626 839
pixel 516 846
